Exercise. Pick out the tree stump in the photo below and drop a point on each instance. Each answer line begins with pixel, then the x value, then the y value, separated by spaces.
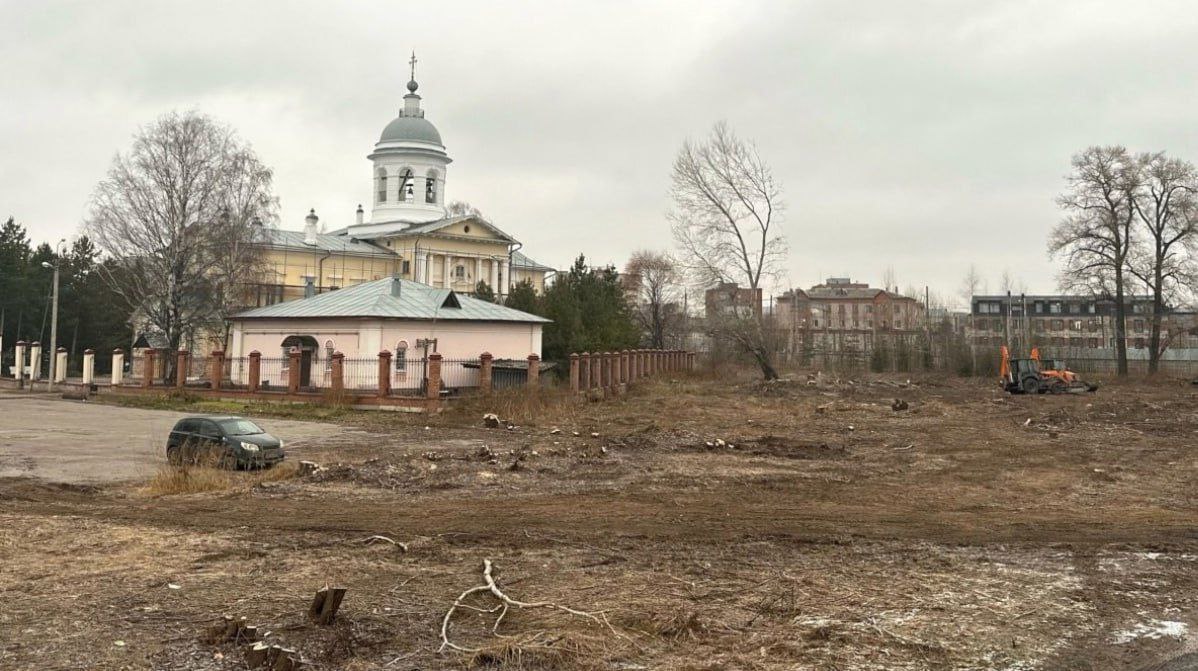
pixel 325 604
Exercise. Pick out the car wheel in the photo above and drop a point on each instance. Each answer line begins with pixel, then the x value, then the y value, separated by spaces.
pixel 173 457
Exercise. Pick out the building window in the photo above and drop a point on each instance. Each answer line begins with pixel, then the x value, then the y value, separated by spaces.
pixel 401 357
pixel 269 294
pixel 1054 308
pixel 459 272
pixel 1075 324
pixel 430 187
pixel 1093 343
pixel 1140 343
pixel 382 185
pixel 1058 325
pixel 1139 326
pixel 405 267
pixel 1075 342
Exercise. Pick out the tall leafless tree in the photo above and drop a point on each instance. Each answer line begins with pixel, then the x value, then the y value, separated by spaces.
pixel 725 216
pixel 1096 237
pixel 1166 205
pixel 655 294
pixel 970 286
pixel 168 213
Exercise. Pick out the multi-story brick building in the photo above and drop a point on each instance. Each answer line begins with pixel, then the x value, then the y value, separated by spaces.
pixel 1074 322
pixel 841 313
pixel 730 298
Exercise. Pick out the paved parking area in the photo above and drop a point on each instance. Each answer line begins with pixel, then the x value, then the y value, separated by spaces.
pixel 77 442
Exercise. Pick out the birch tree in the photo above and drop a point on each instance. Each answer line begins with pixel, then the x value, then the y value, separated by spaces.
pixel 173 214
pixel 725 220
pixel 1096 236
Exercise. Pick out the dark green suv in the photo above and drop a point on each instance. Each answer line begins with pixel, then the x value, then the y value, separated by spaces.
pixel 228 442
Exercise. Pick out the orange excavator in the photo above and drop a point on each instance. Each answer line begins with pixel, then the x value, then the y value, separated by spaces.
pixel 1036 376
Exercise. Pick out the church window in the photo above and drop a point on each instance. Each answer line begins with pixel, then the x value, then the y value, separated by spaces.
pixel 406 192
pixel 430 187
pixel 382 185
pixel 406 268
pixel 459 272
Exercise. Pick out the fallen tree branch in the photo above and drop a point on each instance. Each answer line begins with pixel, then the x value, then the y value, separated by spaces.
pixel 506 603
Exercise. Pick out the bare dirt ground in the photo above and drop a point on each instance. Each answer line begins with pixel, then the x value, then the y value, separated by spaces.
pixel 710 524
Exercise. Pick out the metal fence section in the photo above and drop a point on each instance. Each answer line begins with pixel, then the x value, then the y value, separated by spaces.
pixel 273 373
pixel 459 374
pixel 409 377
pixel 360 374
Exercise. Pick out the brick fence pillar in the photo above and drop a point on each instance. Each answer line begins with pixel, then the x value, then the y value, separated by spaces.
pixel 89 366
pixel 433 388
pixel 293 370
pixel 18 364
pixel 634 366
pixel 118 366
pixel 690 362
pixel 534 371
pixel 60 365
pixel 596 367
pixel 574 372
pixel 485 364
pixel 605 368
pixel 337 371
pixel 147 368
pixel 181 360
pixel 35 360
pixel 624 368
pixel 384 373
pixel 254 375
pixel 216 369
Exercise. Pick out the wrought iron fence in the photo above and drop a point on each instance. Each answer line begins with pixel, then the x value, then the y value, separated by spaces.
pixel 459 374
pixel 273 373
pixel 360 374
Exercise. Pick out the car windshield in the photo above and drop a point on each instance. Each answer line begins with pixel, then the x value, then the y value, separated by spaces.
pixel 239 427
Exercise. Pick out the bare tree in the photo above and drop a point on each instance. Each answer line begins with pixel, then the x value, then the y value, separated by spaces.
pixel 725 221
pixel 655 292
pixel 889 279
pixel 970 286
pixel 460 208
pixel 1166 205
pixel 1096 235
pixel 168 213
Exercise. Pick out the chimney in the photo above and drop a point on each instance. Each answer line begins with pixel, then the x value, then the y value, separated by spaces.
pixel 359 214
pixel 309 287
pixel 310 228
pixel 396 285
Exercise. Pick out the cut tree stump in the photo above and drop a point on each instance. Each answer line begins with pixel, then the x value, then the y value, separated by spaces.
pixel 325 604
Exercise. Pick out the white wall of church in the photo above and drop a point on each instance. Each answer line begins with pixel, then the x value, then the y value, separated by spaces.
pixel 358 339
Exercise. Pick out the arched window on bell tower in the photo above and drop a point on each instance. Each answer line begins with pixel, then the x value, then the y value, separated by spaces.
pixel 380 179
pixel 430 187
pixel 407 191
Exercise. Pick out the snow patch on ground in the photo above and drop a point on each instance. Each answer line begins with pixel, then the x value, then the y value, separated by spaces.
pixel 1153 629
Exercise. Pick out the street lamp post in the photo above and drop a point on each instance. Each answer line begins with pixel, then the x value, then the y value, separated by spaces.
pixel 54 319
pixel 53 327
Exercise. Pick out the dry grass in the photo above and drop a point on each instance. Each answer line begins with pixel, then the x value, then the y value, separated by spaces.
pixel 196 479
pixel 518 406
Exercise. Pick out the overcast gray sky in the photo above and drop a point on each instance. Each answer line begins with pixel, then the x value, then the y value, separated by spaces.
pixel 921 136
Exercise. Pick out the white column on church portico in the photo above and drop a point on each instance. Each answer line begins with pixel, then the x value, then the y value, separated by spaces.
pixel 507 278
pixel 478 270
pixel 445 271
pixel 428 269
pixel 495 277
pixel 418 267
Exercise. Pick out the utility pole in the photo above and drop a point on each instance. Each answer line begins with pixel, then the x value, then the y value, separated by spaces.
pixel 53 327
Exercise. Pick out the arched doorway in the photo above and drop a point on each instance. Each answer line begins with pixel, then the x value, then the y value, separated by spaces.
pixel 307 346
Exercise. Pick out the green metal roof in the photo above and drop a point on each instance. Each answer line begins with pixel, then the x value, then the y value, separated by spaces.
pixel 522 261
pixel 411 129
pixel 376 299
pixel 275 237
